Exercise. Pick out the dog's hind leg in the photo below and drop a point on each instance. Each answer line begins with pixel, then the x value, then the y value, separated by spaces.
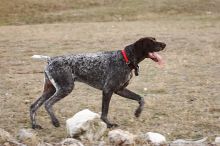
pixel 48 91
pixel 131 95
pixel 64 84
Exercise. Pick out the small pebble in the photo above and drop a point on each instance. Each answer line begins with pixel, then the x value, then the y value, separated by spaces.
pixel 27 101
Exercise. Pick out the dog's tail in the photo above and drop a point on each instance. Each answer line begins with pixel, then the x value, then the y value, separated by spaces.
pixel 40 57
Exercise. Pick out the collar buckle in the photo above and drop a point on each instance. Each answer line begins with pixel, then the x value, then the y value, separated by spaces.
pixel 130 64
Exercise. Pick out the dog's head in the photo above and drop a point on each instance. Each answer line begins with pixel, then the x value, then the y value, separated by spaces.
pixel 147 48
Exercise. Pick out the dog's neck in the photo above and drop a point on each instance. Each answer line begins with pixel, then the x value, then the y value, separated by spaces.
pixel 133 56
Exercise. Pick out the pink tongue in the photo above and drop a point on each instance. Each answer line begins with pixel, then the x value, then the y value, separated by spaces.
pixel 156 57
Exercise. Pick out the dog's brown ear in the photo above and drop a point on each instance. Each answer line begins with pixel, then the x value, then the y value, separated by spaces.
pixel 144 44
pixel 141 47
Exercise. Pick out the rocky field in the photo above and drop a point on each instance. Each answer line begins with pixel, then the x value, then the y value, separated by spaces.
pixel 182 99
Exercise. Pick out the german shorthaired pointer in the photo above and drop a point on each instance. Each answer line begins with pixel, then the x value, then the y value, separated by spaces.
pixel 107 71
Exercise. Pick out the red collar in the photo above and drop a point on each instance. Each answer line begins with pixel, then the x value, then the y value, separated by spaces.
pixel 130 64
pixel 125 56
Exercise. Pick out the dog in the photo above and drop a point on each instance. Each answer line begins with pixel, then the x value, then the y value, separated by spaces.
pixel 108 71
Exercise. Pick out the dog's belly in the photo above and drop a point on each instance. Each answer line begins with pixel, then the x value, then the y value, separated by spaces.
pixel 96 85
pixel 94 80
pixel 99 79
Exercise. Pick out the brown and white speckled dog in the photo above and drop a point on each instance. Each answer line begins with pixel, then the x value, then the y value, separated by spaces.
pixel 107 71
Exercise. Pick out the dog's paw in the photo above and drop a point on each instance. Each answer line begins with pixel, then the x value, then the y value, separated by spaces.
pixel 36 127
pixel 56 123
pixel 113 125
pixel 137 113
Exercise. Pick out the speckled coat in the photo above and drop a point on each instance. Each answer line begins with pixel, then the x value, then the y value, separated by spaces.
pixel 94 69
pixel 106 71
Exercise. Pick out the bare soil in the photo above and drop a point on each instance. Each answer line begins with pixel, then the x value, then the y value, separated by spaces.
pixel 182 99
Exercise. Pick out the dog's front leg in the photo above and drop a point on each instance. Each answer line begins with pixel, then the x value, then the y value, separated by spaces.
pixel 106 97
pixel 131 95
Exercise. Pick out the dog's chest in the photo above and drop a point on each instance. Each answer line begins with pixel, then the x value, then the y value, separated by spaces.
pixel 126 81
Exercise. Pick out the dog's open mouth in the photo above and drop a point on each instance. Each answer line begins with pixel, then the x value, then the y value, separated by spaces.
pixel 156 57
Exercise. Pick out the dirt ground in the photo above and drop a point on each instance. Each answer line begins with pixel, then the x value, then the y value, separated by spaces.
pixel 182 99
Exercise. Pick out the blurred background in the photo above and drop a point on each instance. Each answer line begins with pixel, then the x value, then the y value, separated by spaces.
pixel 51 11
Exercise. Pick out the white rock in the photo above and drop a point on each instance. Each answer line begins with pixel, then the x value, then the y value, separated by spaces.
pixel 27 101
pixel 28 137
pixel 182 142
pixel 71 142
pixel 86 125
pixel 102 143
pixel 155 138
pixel 119 137
pixel 217 140
pixel 45 144
pixel 25 133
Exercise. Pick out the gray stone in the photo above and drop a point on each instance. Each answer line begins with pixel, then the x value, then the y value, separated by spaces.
pixel 28 137
pixel 71 142
pixel 102 143
pixel 182 142
pixel 119 137
pixel 46 144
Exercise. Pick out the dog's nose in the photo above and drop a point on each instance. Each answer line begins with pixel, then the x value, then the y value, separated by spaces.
pixel 163 45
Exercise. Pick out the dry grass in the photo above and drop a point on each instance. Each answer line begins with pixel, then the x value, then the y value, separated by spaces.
pixel 50 11
pixel 183 99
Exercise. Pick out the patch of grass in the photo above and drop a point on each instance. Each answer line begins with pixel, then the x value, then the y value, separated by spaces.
pixel 159 114
pixel 20 12
pixel 158 91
